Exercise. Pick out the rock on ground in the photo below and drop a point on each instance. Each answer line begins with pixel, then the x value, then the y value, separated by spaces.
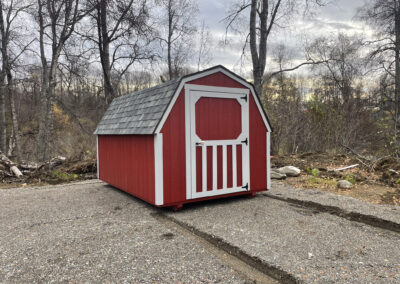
pixel 344 184
pixel 277 175
pixel 289 171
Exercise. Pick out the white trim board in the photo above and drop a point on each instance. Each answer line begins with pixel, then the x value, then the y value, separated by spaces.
pixel 97 156
pixel 268 160
pixel 158 169
pixel 204 74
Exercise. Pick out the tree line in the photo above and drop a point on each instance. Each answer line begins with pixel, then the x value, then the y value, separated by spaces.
pixel 63 61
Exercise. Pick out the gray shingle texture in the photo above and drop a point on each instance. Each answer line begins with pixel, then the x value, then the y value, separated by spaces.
pixel 138 112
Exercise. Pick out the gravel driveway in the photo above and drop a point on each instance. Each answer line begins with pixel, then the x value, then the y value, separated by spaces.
pixel 94 233
pixel 313 247
pixel 91 232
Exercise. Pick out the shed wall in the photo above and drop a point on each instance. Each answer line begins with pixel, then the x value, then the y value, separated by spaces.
pixel 127 162
pixel 258 148
pixel 174 160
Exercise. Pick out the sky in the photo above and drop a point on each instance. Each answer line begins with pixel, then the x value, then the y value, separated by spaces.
pixel 338 16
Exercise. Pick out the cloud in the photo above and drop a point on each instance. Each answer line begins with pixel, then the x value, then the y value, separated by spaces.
pixel 339 16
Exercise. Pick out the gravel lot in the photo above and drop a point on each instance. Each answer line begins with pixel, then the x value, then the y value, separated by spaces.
pixel 313 247
pixel 94 233
pixel 91 232
pixel 384 213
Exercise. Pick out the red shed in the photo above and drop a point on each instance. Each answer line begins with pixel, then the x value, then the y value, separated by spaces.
pixel 202 136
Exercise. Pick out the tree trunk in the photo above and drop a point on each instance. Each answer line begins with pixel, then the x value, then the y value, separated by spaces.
pixel 259 54
pixel 42 139
pixel 397 67
pixel 11 144
pixel 3 90
pixel 169 43
pixel 3 125
pixel 104 42
pixel 15 124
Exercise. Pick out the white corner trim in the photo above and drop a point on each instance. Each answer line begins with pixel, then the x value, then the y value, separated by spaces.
pixel 187 146
pixel 268 160
pixel 97 155
pixel 158 169
pixel 207 73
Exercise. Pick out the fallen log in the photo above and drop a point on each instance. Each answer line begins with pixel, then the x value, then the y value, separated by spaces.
pixel 344 168
pixel 10 164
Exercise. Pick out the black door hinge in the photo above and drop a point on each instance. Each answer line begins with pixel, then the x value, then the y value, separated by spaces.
pixel 245 141
pixel 246 186
pixel 244 98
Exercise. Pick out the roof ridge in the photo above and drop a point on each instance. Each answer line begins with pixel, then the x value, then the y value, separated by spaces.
pixel 159 86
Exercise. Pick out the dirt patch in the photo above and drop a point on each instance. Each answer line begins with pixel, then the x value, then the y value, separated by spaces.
pixel 377 182
pixel 71 171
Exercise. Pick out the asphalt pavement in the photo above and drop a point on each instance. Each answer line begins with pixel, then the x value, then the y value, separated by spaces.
pixel 92 232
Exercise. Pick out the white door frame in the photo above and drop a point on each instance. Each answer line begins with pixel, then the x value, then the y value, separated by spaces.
pixel 192 94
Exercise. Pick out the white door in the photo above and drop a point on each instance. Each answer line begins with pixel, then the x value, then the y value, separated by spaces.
pixel 218 127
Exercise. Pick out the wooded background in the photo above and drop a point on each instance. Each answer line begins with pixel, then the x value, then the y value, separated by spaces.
pixel 63 61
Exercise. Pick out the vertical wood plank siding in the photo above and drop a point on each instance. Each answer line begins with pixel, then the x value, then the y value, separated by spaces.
pixel 127 162
pixel 174 153
pixel 258 149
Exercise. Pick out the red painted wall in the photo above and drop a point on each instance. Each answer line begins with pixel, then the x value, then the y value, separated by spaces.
pixel 127 162
pixel 258 148
pixel 174 144
pixel 174 153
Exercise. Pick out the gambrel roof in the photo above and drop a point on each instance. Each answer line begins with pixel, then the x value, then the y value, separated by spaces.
pixel 143 112
pixel 138 112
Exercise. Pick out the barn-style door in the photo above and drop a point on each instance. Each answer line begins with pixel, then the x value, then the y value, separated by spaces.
pixel 218 123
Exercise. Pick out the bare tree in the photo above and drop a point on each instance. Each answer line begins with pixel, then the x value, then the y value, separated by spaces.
pixel 57 21
pixel 342 64
pixel 384 18
pixel 265 16
pixel 121 36
pixel 205 44
pixel 11 50
pixel 177 29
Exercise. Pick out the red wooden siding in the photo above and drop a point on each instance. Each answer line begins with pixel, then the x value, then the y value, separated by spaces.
pixel 239 165
pixel 127 162
pixel 219 168
pixel 229 166
pixel 258 148
pixel 174 153
pixel 218 118
pixel 218 80
pixel 209 168
pixel 199 169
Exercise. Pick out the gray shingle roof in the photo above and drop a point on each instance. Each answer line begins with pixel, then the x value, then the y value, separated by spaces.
pixel 138 112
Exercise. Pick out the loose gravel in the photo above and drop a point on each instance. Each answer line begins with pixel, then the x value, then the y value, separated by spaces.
pixel 311 246
pixel 384 216
pixel 93 233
